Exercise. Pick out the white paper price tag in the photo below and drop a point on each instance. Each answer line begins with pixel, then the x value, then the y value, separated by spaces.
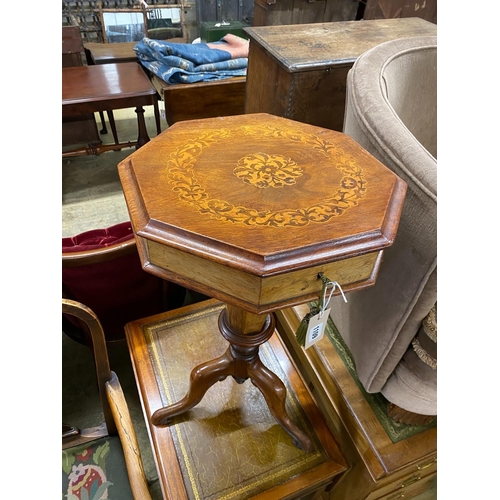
pixel 316 328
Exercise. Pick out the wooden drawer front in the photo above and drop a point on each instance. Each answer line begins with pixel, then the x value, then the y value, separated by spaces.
pixel 406 476
pixel 407 487
pixel 254 293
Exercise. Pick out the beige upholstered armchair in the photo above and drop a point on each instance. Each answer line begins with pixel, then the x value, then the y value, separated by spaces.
pixel 391 328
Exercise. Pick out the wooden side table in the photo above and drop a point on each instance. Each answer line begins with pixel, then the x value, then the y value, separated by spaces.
pixel 386 460
pixel 112 53
pixel 229 446
pixel 90 89
pixel 250 209
pixel 300 71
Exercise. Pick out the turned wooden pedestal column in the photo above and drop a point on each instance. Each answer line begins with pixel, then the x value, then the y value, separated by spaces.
pixel 250 209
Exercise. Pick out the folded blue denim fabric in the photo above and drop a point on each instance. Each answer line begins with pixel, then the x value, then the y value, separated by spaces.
pixel 188 63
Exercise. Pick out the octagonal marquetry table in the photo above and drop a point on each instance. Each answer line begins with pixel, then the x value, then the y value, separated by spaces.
pixel 250 210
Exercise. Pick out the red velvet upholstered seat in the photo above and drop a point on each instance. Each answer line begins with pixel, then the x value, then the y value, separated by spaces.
pixel 101 268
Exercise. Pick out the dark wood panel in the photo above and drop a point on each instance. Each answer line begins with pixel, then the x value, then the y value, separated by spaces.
pixel 82 128
pixel 426 9
pixel 388 9
pixel 341 10
pixel 71 40
pixel 280 12
pixel 304 12
pixel 202 100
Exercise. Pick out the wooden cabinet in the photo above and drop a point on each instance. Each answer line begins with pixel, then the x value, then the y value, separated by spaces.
pixel 300 72
pixel 80 129
pixel 386 9
pixel 275 12
pixel 383 464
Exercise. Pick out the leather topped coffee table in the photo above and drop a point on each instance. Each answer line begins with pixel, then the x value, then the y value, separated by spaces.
pixel 251 210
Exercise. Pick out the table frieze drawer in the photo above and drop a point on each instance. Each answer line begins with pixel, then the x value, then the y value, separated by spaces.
pixel 301 285
pixel 406 488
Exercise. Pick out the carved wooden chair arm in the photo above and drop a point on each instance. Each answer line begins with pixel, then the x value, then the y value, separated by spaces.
pixel 128 438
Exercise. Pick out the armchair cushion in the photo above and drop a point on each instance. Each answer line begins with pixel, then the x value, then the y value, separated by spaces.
pixel 98 238
pixel 413 384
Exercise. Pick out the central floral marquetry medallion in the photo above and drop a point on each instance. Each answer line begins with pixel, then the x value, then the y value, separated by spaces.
pixel 266 170
pixel 263 170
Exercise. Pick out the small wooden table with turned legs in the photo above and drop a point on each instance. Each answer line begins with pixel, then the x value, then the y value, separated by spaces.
pixel 92 89
pixel 250 210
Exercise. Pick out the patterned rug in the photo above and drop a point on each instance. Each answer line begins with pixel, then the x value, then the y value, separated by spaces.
pixel 377 401
pixel 95 471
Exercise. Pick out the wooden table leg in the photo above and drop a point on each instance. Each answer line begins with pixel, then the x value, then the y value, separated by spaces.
pixel 143 136
pixel 157 116
pixel 241 361
pixel 104 130
pixel 112 124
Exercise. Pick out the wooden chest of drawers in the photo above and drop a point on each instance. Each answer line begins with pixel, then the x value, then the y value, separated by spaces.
pixel 388 464
pixel 300 71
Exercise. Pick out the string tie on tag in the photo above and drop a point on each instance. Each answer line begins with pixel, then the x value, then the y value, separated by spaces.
pixel 325 301
pixel 318 309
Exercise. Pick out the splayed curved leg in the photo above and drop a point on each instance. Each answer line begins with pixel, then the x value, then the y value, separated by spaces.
pixel 201 379
pixel 274 392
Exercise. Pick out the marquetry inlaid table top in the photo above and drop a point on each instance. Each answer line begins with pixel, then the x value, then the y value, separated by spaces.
pixel 249 209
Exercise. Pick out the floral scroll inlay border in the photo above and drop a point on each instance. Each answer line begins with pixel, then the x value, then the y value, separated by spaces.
pixel 181 175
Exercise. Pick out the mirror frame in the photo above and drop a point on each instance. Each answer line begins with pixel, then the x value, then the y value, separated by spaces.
pixel 144 11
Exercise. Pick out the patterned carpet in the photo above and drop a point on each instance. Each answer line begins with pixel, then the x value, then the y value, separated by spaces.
pixel 395 431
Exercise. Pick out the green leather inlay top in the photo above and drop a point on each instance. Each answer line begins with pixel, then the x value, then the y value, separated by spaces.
pixel 229 446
